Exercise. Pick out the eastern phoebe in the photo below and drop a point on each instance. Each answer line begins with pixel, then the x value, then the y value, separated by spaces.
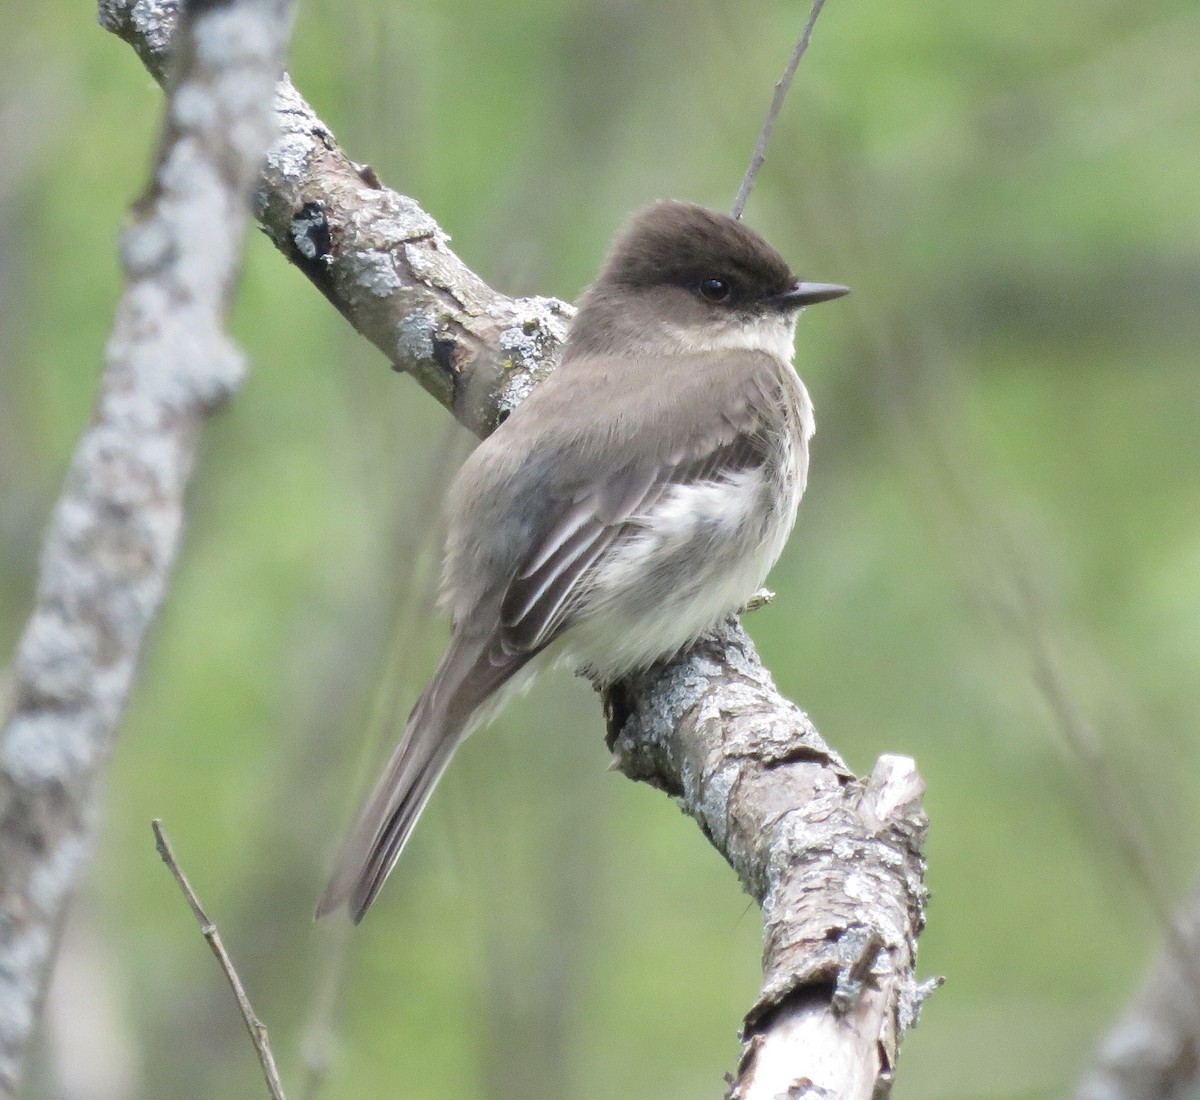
pixel 635 498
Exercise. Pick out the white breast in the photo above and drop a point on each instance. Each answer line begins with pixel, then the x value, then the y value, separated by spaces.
pixel 698 554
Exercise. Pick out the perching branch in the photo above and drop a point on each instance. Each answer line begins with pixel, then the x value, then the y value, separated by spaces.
pixel 256 1028
pixel 115 529
pixel 782 87
pixel 836 862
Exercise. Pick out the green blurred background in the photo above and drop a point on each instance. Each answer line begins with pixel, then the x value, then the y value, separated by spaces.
pixel 1007 466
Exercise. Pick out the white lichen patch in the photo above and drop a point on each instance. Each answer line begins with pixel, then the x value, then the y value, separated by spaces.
pixel 206 365
pixel 25 955
pixel 394 218
pixel 513 390
pixel 414 341
pixel 53 878
pixel 145 246
pixel 289 155
pixel 539 328
pixel 675 695
pixel 154 19
pixel 376 271
pixel 47 747
pixel 529 346
pixel 57 650
pixel 845 849
pixel 860 887
pixel 714 802
pixel 302 226
pixel 193 107
pixel 227 37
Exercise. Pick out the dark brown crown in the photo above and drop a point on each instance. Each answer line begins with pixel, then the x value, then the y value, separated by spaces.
pixel 679 243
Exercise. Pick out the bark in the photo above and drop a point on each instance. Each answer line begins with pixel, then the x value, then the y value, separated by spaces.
pixel 115 528
pixel 834 861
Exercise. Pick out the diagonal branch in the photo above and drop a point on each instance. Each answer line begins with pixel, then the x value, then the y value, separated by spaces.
pixel 116 526
pixel 254 1026
pixel 380 259
pixel 835 862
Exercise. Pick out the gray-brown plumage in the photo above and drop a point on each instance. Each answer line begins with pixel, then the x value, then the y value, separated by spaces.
pixel 636 497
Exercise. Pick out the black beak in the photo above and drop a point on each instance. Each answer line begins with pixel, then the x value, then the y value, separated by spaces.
pixel 808 294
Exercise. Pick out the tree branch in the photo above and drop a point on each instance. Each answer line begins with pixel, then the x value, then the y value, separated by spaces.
pixel 1153 1051
pixel 380 259
pixel 116 526
pixel 836 862
pixel 256 1028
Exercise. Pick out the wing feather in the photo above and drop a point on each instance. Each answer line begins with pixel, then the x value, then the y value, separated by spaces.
pixel 545 591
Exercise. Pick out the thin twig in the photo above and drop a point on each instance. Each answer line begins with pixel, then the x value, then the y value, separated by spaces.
pixel 1009 588
pixel 256 1028
pixel 1115 809
pixel 782 87
pixel 1166 1016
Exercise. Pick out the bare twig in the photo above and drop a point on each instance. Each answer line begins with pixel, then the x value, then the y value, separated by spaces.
pixel 1003 577
pixel 782 87
pixel 413 607
pixel 1153 1051
pixel 116 526
pixel 256 1028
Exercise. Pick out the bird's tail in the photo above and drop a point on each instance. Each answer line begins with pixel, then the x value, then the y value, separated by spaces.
pixel 440 721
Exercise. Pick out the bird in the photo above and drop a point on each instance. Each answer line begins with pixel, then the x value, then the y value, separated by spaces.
pixel 638 496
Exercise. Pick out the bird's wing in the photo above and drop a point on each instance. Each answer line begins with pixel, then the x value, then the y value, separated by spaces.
pixel 554 575
pixel 499 633
pixel 546 590
pixel 534 608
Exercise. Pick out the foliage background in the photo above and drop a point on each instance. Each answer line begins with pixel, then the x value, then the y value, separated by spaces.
pixel 1008 404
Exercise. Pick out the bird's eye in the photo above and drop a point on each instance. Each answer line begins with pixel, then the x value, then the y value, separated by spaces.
pixel 715 289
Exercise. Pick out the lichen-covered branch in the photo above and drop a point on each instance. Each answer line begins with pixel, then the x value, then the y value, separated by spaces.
pixel 835 861
pixel 380 259
pixel 114 531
